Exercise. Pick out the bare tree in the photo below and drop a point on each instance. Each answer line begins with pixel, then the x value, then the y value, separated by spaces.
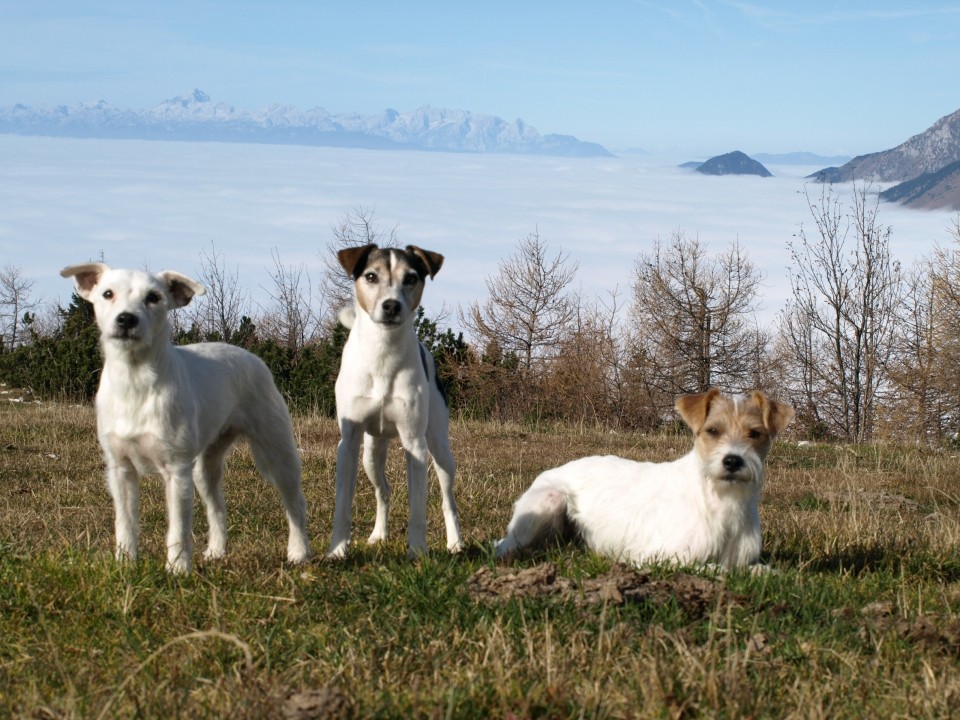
pixel 694 319
pixel 921 403
pixel 846 291
pixel 220 311
pixel 293 318
pixel 529 308
pixel 925 366
pixel 585 379
pixel 358 227
pixel 15 304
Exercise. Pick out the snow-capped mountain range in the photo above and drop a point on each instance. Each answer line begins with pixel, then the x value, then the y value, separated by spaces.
pixel 197 117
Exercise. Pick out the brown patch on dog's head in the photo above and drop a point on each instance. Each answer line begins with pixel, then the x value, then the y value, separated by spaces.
pixel 182 288
pixel 733 425
pixel 353 259
pixel 85 276
pixel 389 282
pixel 430 261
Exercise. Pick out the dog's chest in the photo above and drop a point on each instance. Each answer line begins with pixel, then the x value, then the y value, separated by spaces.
pixel 380 387
pixel 141 428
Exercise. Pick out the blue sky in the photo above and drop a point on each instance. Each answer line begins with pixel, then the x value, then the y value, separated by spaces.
pixel 697 77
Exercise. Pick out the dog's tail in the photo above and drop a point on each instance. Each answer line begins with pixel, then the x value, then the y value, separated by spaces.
pixel 346 316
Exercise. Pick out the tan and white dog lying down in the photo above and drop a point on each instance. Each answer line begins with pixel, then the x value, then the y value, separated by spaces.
pixel 177 411
pixel 700 509
pixel 387 387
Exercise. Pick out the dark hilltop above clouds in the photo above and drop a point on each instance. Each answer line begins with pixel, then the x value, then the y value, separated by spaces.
pixel 197 117
pixel 733 163
pixel 924 171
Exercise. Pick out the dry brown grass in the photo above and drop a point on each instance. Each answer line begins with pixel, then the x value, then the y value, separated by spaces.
pixel 860 619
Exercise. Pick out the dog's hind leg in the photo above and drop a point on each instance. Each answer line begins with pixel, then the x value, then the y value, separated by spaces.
pixel 418 457
pixel 375 465
pixel 278 460
pixel 124 486
pixel 446 467
pixel 208 479
pixel 539 514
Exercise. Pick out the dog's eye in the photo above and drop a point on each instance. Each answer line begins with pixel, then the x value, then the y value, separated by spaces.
pixel 152 298
pixel 107 294
pixel 712 431
pixel 371 277
pixel 754 434
pixel 411 279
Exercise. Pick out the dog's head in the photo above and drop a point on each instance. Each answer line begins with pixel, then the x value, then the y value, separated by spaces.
pixel 389 282
pixel 131 305
pixel 733 434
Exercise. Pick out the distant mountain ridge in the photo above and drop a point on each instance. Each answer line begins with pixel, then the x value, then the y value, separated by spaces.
pixel 197 117
pixel 928 152
pixel 798 158
pixel 929 191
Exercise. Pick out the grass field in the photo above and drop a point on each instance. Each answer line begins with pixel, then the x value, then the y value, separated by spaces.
pixel 861 617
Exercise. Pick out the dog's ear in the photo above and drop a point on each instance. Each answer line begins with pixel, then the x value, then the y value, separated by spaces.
pixel 85 276
pixel 354 259
pixel 776 415
pixel 431 260
pixel 181 287
pixel 694 408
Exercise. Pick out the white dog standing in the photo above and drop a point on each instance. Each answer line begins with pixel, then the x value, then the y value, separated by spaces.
pixel 700 509
pixel 387 387
pixel 178 410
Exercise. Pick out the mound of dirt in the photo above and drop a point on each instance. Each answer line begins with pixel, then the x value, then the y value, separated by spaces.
pixel 934 631
pixel 325 703
pixel 621 585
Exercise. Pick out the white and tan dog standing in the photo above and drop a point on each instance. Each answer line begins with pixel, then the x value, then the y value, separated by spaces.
pixel 387 387
pixel 178 410
pixel 700 509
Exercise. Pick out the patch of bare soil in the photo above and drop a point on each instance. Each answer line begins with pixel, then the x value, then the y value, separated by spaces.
pixel 623 584
pixel 325 703
pixel 929 629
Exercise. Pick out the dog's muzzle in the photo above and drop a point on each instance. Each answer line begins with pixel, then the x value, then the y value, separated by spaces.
pixel 125 324
pixel 736 468
pixel 390 311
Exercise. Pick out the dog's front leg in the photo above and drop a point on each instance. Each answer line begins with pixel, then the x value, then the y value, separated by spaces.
pixel 124 485
pixel 179 490
pixel 417 458
pixel 348 452
pixel 375 465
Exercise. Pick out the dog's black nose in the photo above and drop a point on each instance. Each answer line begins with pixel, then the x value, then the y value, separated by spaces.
pixel 391 308
pixel 732 463
pixel 127 320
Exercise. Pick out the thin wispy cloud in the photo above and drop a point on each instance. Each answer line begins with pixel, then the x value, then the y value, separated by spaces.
pixel 776 17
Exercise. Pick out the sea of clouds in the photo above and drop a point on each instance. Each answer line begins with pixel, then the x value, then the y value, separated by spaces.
pixel 160 205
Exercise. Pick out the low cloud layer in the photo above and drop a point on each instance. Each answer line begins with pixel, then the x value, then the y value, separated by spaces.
pixel 160 204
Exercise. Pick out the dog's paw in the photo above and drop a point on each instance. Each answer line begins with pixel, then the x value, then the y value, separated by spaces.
pixel 298 557
pixel 502 549
pixel 376 538
pixel 455 547
pixel 337 552
pixel 298 548
pixel 178 566
pixel 214 553
pixel 417 553
pixel 125 554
